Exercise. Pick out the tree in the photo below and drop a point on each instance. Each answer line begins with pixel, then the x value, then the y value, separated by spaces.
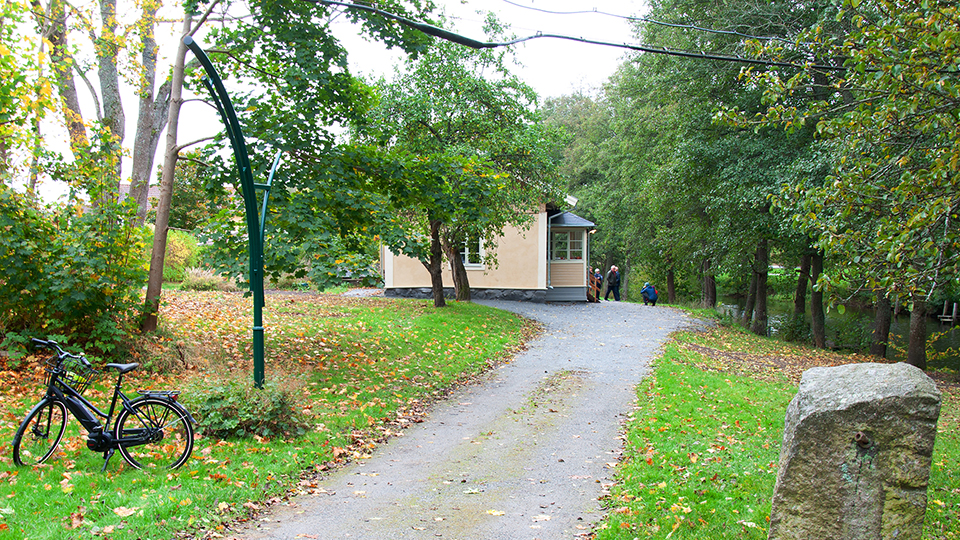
pixel 888 211
pixel 304 91
pixel 460 105
pixel 25 94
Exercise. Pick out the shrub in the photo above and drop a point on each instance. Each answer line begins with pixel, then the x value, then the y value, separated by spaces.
pixel 229 407
pixel 181 254
pixel 78 273
pixel 200 279
pixel 795 328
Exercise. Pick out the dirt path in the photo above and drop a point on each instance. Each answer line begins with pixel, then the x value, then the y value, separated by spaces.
pixel 524 454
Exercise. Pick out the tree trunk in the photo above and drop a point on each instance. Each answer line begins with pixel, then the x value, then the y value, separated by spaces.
pixel 54 29
pixel 881 332
pixel 107 47
pixel 762 269
pixel 435 265
pixel 917 348
pixel 461 282
pixel 152 116
pixel 800 294
pixel 155 281
pixel 708 285
pixel 817 320
pixel 747 314
pixel 671 287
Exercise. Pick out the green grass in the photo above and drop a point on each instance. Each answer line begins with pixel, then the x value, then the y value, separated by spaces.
pixel 364 368
pixel 702 448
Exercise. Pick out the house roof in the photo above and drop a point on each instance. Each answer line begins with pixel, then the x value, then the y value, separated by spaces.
pixel 568 219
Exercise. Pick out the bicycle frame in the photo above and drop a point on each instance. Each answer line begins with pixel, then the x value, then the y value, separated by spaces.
pixel 147 419
pixel 100 437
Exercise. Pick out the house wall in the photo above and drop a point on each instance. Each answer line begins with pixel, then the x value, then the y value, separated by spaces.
pixel 521 256
pixel 568 273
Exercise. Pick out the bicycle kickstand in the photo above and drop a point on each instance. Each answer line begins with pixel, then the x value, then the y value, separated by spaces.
pixel 106 459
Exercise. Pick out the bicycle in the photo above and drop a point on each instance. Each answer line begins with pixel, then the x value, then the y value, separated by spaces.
pixel 152 431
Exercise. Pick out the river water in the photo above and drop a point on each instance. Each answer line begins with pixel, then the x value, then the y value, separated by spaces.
pixel 855 326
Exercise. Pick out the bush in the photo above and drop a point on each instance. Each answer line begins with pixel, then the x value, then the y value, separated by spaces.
pixel 854 333
pixel 795 328
pixel 78 273
pixel 200 279
pixel 228 407
pixel 181 254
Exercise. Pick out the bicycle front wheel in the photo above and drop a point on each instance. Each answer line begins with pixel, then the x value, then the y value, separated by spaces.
pixel 40 433
pixel 154 434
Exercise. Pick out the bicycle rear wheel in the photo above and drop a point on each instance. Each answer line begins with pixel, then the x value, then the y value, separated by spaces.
pixel 164 430
pixel 40 433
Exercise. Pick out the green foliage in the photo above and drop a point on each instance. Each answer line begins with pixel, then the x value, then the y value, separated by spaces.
pixel 463 111
pixel 794 328
pixel 319 205
pixel 853 333
pixel 79 274
pixel 228 407
pixel 195 199
pixel 182 253
pixel 25 93
pixel 889 134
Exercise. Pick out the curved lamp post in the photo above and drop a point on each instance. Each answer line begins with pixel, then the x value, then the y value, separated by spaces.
pixel 255 220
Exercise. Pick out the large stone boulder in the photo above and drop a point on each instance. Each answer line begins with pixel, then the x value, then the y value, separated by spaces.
pixel 855 461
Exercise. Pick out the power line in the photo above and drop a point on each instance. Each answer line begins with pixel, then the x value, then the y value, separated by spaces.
pixel 651 21
pixel 441 33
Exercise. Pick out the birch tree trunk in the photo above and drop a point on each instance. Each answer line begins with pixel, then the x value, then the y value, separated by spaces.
pixel 53 25
pixel 152 115
pixel 155 281
pixel 107 48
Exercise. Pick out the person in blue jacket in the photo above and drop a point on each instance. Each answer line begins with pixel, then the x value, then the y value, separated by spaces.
pixel 649 294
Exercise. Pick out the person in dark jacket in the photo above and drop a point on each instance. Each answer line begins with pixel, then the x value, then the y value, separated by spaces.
pixel 598 283
pixel 649 294
pixel 613 284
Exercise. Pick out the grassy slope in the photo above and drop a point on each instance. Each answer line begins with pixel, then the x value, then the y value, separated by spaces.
pixel 364 368
pixel 702 447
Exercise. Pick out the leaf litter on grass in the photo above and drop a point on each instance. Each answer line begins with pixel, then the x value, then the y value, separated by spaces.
pixel 369 368
pixel 702 449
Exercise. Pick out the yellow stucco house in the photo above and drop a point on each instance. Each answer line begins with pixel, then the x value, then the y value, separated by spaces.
pixel 547 262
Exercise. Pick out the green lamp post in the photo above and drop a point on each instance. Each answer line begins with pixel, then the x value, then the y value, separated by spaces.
pixel 255 220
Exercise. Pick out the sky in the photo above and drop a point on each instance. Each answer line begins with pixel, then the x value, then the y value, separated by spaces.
pixel 553 67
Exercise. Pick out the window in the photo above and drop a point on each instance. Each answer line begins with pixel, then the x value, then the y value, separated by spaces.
pixel 567 245
pixel 471 253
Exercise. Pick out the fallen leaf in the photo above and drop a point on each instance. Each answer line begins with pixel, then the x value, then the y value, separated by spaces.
pixel 496 512
pixel 123 511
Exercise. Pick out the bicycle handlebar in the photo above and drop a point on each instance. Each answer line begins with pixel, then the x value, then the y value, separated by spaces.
pixel 50 344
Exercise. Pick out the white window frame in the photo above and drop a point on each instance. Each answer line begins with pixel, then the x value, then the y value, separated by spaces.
pixel 465 255
pixel 567 252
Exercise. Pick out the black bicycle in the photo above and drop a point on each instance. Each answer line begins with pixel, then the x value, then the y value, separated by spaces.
pixel 152 431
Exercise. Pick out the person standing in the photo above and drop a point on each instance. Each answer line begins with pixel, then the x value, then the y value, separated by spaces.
pixel 649 294
pixel 613 284
pixel 597 283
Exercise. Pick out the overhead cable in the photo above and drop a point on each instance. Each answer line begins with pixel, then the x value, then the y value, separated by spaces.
pixel 651 21
pixel 435 31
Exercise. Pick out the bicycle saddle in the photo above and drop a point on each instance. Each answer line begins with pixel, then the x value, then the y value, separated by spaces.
pixel 123 368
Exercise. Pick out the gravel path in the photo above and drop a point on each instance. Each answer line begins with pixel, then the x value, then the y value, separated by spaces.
pixel 524 454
